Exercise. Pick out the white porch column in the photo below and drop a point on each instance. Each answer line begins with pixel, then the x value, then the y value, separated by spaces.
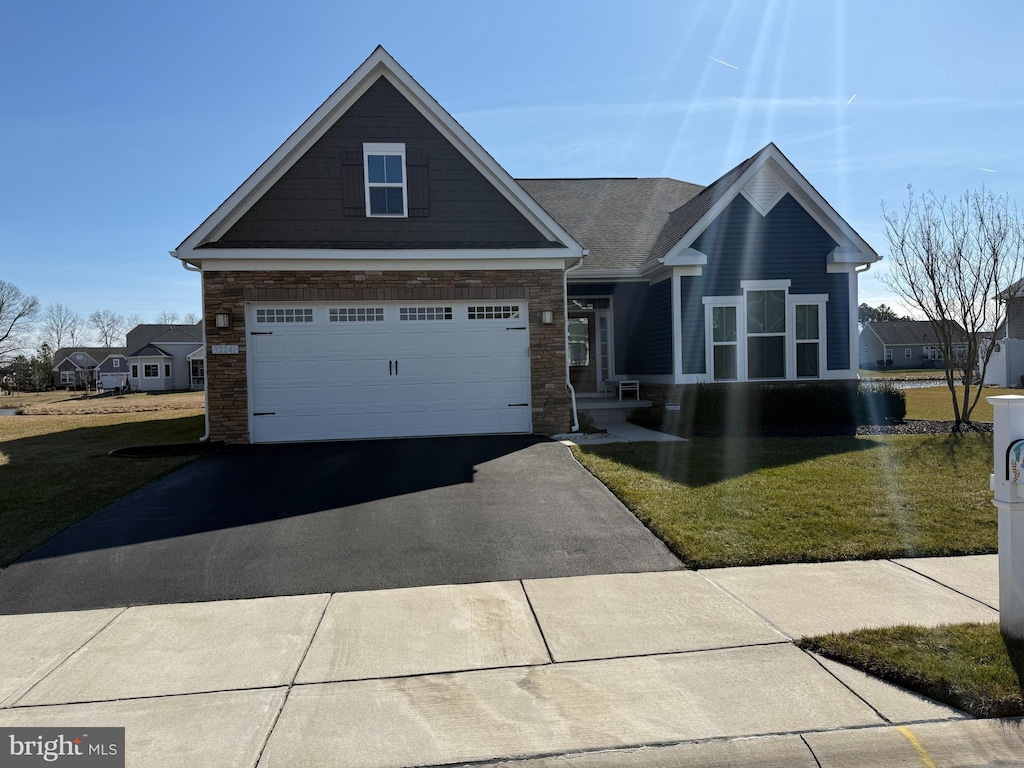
pixel 676 285
pixel 1007 482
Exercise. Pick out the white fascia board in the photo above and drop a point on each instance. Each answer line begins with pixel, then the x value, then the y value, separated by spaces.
pixel 438 263
pixel 785 171
pixel 686 257
pixel 595 275
pixel 380 63
pixel 197 354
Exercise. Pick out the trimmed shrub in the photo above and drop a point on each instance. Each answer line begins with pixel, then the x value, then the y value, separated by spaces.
pixel 753 408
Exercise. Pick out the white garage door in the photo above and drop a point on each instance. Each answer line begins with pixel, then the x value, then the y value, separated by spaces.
pixel 338 371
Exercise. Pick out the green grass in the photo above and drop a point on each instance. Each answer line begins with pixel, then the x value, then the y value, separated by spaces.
pixel 902 373
pixel 54 470
pixel 969 666
pixel 936 403
pixel 751 501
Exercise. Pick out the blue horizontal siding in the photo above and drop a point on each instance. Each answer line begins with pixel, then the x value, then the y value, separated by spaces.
pixel 641 321
pixel 787 244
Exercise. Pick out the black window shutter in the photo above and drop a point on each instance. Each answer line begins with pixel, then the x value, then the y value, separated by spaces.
pixel 419 183
pixel 353 191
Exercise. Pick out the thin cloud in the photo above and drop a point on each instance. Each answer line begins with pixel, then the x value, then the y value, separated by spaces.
pixel 986 170
pixel 851 99
pixel 725 63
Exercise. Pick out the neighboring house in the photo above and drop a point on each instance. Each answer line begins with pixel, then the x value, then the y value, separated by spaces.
pixel 381 275
pixel 1013 297
pixel 86 366
pixel 165 357
pixel 907 343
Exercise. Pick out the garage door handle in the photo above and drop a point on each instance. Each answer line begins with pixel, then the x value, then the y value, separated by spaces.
pixel 396 367
pixel 261 333
pixel 516 328
pixel 265 413
pixel 517 405
pixel 389 368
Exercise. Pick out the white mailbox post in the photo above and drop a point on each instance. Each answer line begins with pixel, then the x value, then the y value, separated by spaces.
pixel 1007 482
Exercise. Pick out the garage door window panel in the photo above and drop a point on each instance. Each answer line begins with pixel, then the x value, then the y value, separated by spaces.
pixel 356 315
pixel 494 312
pixel 285 315
pixel 424 313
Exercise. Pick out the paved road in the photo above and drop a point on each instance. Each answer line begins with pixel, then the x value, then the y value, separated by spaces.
pixel 331 517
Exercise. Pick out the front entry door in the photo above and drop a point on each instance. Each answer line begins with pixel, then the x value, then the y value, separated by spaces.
pixel 582 352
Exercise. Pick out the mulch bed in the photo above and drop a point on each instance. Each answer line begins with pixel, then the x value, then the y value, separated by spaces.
pixel 905 427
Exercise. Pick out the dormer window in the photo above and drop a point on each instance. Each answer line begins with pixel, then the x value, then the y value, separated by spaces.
pixel 384 171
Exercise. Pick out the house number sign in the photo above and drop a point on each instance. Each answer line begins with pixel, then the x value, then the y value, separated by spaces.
pixel 224 349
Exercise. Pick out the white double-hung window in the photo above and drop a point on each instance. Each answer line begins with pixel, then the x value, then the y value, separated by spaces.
pixel 386 188
pixel 766 333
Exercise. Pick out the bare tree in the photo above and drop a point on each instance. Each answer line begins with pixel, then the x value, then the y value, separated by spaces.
pixel 63 327
pixel 132 320
pixel 17 313
pixel 109 327
pixel 167 317
pixel 951 260
pixel 191 318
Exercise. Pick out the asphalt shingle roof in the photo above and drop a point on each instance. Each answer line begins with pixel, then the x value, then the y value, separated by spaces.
pixel 627 223
pixel 681 220
pixel 619 220
pixel 908 332
pixel 147 333
pixel 99 354
pixel 150 350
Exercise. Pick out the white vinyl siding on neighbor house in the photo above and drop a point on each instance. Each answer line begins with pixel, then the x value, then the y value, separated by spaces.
pixel 423 369
pixel 766 334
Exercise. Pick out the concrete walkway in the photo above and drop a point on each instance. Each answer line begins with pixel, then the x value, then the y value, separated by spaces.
pixel 648 669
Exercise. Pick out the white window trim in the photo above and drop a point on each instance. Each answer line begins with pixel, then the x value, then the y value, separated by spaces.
pixel 167 370
pixel 888 353
pixel 146 375
pixel 67 377
pixel 386 149
pixel 792 302
pixel 908 353
pixel 740 303
pixel 116 363
pixel 135 370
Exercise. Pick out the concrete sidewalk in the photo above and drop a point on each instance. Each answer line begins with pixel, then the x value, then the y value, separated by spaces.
pixel 650 669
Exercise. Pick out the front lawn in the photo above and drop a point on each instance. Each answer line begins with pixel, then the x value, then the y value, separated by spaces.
pixel 751 501
pixel 54 470
pixel 69 402
pixel 936 403
pixel 969 666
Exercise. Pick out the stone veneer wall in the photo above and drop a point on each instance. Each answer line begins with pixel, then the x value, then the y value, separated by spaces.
pixel 229 292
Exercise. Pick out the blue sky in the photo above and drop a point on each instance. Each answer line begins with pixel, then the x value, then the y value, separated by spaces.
pixel 126 123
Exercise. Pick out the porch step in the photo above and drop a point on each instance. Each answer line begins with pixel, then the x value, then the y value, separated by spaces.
pixel 609 410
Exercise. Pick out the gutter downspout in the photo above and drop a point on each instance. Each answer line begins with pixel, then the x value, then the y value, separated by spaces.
pixel 565 311
pixel 206 390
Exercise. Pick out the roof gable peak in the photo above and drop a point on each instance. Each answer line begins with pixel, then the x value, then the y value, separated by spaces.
pixel 378 64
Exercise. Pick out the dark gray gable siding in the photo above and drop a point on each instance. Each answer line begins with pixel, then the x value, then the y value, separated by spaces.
pixel 107 366
pixel 641 324
pixel 305 208
pixel 787 244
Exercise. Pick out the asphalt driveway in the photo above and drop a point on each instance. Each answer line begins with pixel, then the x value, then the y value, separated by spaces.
pixel 261 521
